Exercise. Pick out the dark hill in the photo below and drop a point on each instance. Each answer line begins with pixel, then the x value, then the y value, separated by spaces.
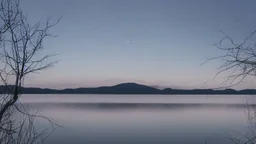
pixel 132 88
pixel 125 88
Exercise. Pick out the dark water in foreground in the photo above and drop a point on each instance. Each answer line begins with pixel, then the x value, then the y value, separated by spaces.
pixel 143 119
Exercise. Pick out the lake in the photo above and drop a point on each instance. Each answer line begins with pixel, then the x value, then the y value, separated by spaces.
pixel 143 119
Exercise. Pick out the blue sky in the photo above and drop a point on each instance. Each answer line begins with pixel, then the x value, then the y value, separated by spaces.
pixel 153 42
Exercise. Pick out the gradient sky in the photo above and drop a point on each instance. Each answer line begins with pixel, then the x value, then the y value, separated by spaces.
pixel 153 42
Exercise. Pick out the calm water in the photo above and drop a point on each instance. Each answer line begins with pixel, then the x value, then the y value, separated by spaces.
pixel 143 119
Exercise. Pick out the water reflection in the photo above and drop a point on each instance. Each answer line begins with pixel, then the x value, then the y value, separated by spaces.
pixel 114 119
pixel 119 106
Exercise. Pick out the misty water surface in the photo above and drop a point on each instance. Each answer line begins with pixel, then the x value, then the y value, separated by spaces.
pixel 137 119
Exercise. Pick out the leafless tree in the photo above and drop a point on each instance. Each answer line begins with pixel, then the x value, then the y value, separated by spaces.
pixel 238 59
pixel 239 62
pixel 21 44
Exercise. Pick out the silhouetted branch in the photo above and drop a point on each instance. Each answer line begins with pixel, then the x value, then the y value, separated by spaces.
pixel 239 60
pixel 20 44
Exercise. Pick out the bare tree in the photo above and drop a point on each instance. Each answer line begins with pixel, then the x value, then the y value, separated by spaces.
pixel 239 62
pixel 238 59
pixel 21 44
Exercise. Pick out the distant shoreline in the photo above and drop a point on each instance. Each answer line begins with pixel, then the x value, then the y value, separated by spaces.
pixel 132 89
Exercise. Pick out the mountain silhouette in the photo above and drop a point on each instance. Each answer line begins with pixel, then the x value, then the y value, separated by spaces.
pixel 124 88
pixel 131 88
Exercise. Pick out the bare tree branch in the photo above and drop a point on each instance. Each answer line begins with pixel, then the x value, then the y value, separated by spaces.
pixel 239 60
pixel 20 47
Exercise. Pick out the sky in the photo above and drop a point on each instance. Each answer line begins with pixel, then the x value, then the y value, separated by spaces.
pixel 153 42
